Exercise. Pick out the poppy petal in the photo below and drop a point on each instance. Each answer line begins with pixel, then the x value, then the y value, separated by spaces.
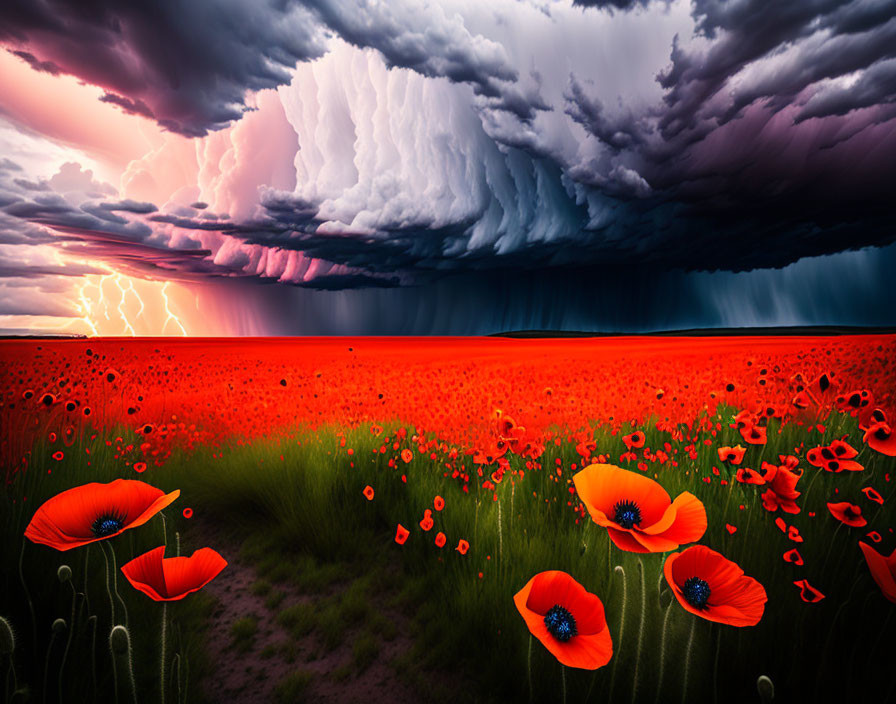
pixel 883 570
pixel 808 593
pixel 690 520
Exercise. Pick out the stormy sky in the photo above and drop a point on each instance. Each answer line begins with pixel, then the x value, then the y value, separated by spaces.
pixel 449 167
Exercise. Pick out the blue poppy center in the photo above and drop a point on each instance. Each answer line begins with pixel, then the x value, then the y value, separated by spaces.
pixel 627 514
pixel 696 591
pixel 106 525
pixel 560 623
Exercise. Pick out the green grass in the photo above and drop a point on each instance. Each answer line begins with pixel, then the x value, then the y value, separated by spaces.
pixel 242 631
pixel 365 651
pixel 293 689
pixel 304 524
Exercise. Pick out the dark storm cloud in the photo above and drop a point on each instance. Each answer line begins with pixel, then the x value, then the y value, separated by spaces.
pixel 189 65
pixel 26 271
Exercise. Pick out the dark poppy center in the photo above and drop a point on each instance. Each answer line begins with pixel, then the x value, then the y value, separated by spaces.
pixel 627 514
pixel 106 525
pixel 696 591
pixel 560 623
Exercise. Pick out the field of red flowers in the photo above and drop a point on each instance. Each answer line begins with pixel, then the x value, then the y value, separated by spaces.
pixel 203 392
pixel 656 511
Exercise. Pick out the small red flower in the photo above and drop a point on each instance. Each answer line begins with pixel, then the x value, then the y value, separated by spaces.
pixel 368 492
pixel 872 495
pixel 568 620
pixel 635 440
pixel 875 536
pixel 440 540
pixel 808 593
pixel 139 467
pixel 793 556
pixel 427 522
pixel 880 437
pixel 848 514
pixel 438 503
pixel 58 455
pixel 407 455
pixel 462 546
pixel 730 528
pixel 401 534
pixel 188 513
pixel 172 578
pixel 732 455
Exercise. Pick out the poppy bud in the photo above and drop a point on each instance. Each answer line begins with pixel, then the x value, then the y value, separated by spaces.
pixel 120 640
pixel 59 625
pixel 64 573
pixel 766 688
pixel 7 637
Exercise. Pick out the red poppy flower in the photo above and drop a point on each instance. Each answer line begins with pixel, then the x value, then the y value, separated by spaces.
pixel 139 467
pixel 883 570
pixel 730 528
pixel 745 475
pixel 875 536
pixel 713 587
pixel 872 495
pixel 401 534
pixel 793 556
pixel 732 455
pixel 407 455
pixel 95 511
pixel 637 512
pixel 438 503
pixel 462 546
pixel 881 438
pixel 848 513
pixel 368 492
pixel 754 434
pixel 172 578
pixel 427 521
pixel 188 513
pixel 568 620
pixel 635 440
pixel 808 593
pixel 843 450
pixel 58 455
pixel 440 540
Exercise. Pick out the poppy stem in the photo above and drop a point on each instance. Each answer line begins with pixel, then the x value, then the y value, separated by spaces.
pixel 124 607
pixel 164 529
pixel 619 570
pixel 659 686
pixel 640 630
pixel 715 669
pixel 177 544
pixel 108 588
pixel 28 599
pixel 68 642
pixel 47 664
pixel 92 621
pixel 563 681
pixel 162 658
pixel 529 668
pixel 687 662
pixel 86 600
pixel 500 535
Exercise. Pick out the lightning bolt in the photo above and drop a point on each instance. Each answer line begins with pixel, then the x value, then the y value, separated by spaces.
pixel 86 308
pixel 171 316
pixel 127 323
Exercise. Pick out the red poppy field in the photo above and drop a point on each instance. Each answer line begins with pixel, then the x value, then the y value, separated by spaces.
pixel 641 519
